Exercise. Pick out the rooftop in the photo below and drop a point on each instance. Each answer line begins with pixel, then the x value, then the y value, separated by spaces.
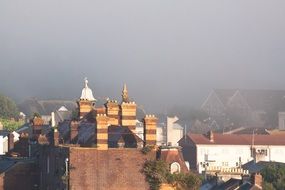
pixel 238 139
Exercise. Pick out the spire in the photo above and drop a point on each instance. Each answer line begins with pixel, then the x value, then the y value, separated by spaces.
pixel 125 96
pixel 87 92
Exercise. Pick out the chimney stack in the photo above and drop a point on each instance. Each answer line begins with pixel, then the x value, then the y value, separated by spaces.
pixel 257 179
pixel 73 131
pixel 128 115
pixel 56 137
pixel 102 131
pixel 52 119
pixel 150 124
pixel 210 136
pixel 10 141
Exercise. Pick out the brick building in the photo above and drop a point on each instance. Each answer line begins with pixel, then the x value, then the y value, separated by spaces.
pixel 99 150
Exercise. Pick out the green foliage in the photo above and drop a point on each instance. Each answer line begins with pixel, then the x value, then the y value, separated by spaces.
pixel 274 174
pixel 267 186
pixel 11 125
pixel 157 172
pixel 8 108
pixel 146 149
pixel 36 114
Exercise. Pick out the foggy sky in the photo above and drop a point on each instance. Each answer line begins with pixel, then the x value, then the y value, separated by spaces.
pixel 169 52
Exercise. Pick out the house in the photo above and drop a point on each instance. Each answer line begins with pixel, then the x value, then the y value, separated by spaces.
pixel 219 152
pixel 44 107
pixel 238 107
pixel 7 140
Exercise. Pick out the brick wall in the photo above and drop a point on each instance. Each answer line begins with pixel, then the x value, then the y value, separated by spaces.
pixel 118 169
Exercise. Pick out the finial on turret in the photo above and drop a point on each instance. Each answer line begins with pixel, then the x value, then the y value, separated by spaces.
pixel 86 82
pixel 125 96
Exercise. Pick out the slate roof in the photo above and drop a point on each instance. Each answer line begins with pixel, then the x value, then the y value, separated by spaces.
pixel 237 139
pixel 44 107
pixel 253 167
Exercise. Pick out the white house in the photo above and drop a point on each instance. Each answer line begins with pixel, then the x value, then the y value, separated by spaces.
pixel 4 140
pixel 219 151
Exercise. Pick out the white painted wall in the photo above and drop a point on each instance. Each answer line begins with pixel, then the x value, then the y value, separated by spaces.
pixel 3 145
pixel 228 155
pixel 222 155
pixel 174 131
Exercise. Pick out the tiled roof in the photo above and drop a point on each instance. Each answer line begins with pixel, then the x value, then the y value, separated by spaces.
pixel 173 155
pixel 238 139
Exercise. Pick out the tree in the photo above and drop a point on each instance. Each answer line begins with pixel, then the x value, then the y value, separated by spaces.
pixel 8 108
pixel 157 172
pixel 274 174
pixel 10 124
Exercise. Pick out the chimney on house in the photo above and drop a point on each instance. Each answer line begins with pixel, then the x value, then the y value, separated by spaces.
pixel 56 137
pixel 113 112
pixel 10 141
pixel 210 136
pixel 257 179
pixel 37 127
pixel 73 131
pixel 150 124
pixel 52 119
pixel 102 131
pixel 128 115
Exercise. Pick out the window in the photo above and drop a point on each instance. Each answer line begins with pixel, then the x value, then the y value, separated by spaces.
pixel 175 168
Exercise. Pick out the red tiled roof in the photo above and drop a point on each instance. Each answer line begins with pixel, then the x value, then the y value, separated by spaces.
pixel 239 139
pixel 170 156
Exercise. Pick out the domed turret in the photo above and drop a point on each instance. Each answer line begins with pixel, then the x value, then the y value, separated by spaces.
pixel 87 92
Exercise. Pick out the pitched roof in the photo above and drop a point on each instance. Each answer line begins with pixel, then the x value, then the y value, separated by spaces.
pixel 257 99
pixel 170 155
pixel 44 107
pixel 238 139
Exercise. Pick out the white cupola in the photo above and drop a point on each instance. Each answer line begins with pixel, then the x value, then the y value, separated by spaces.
pixel 87 92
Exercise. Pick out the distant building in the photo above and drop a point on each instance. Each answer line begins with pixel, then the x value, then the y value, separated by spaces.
pixel 215 151
pixel 7 140
pixel 255 108
pixel 44 107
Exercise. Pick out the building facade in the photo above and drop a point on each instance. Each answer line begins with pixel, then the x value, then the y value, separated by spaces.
pixel 218 151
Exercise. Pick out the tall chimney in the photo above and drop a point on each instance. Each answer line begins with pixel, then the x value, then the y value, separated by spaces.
pixel 56 137
pixel 102 131
pixel 257 179
pixel 210 136
pixel 52 119
pixel 150 124
pixel 10 142
pixel 128 115
pixel 73 130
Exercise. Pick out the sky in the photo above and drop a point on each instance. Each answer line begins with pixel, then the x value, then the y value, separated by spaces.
pixel 168 52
